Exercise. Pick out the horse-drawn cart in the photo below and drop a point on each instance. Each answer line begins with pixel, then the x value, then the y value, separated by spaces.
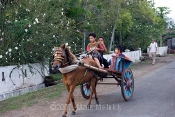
pixel 120 72
pixel 86 73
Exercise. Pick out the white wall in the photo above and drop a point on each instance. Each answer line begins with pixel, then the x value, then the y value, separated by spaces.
pixel 18 77
pixel 133 55
pixel 161 50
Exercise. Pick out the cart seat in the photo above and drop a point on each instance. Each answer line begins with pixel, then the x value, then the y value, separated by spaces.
pixel 119 64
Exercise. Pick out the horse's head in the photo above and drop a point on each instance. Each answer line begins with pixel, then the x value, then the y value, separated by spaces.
pixel 62 57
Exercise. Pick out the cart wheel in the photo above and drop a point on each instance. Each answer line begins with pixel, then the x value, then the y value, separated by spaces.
pixel 127 84
pixel 85 90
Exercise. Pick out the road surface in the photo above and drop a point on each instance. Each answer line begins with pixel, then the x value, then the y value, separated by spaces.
pixel 154 96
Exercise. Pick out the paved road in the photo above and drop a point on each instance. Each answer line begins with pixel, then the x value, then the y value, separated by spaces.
pixel 154 96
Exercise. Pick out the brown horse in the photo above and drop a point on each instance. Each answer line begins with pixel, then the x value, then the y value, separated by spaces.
pixel 62 58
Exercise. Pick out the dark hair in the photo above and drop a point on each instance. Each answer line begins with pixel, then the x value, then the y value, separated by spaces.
pixel 119 48
pixel 100 37
pixel 92 34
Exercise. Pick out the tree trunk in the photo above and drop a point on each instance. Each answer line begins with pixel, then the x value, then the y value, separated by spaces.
pixel 84 40
pixel 112 38
pixel 120 38
pixel 160 45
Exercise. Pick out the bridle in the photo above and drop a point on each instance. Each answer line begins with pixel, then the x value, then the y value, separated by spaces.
pixel 63 59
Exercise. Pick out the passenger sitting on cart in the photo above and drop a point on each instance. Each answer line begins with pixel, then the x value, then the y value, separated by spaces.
pixel 103 60
pixel 93 49
pixel 118 52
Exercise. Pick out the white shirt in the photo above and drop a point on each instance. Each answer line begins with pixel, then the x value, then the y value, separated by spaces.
pixel 153 47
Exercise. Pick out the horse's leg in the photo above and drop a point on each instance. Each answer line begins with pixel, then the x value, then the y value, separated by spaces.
pixel 74 105
pixel 68 88
pixel 95 92
pixel 71 89
pixel 92 86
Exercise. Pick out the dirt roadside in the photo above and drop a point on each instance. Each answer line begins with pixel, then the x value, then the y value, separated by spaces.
pixel 54 108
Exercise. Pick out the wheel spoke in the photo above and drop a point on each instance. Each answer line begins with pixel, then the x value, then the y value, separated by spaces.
pixel 85 91
pixel 125 92
pixel 129 93
pixel 88 92
pixel 130 77
pixel 125 82
pixel 125 87
pixel 131 81
pixel 130 89
pixel 127 74
pixel 124 77
pixel 84 88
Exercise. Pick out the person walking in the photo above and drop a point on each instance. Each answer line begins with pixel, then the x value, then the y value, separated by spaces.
pixel 153 50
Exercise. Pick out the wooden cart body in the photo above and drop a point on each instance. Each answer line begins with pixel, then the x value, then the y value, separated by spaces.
pixel 120 71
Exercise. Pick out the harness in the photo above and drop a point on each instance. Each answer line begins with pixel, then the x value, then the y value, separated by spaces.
pixel 83 77
pixel 86 74
pixel 62 60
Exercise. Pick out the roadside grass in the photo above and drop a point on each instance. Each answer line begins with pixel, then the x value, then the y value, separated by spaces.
pixel 56 76
pixel 140 65
pixel 148 62
pixel 171 54
pixel 31 98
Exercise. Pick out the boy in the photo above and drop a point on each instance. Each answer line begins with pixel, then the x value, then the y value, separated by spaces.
pixel 94 48
pixel 103 60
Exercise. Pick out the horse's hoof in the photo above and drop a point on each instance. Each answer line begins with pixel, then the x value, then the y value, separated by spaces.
pixel 97 102
pixel 64 116
pixel 73 113
pixel 88 106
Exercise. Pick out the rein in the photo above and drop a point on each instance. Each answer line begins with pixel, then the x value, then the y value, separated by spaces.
pixel 83 77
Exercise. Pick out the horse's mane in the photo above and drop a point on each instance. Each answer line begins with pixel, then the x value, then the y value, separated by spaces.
pixel 70 56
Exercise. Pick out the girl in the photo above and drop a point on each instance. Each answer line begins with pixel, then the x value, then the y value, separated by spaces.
pixel 118 52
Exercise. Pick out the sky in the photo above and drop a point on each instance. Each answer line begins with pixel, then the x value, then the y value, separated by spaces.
pixel 167 3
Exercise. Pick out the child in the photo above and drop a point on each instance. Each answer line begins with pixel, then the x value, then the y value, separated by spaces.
pixel 101 42
pixel 93 49
pixel 118 52
pixel 103 60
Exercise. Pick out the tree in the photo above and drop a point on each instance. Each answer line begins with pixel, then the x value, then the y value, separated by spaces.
pixel 31 29
pixel 162 12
